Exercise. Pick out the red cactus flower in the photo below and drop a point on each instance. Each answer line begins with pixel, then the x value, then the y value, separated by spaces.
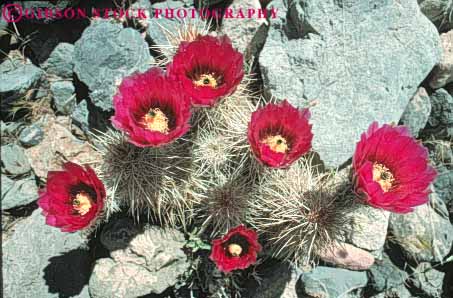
pixel 236 250
pixel 391 169
pixel 73 198
pixel 151 109
pixel 279 134
pixel 208 68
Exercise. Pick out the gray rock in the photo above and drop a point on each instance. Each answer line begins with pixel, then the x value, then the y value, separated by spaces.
pixel 60 61
pixel 444 184
pixel 443 72
pixel 427 280
pixel 400 292
pixel 150 264
pixel 40 261
pixel 385 275
pixel 360 61
pixel 64 97
pixel 423 235
pixel 11 128
pixel 18 193
pixel 157 26
pixel 249 34
pixel 441 119
pixel 330 282
pixel 368 227
pixel 31 135
pixel 439 12
pixel 117 234
pixel 105 54
pixel 417 112
pixel 17 79
pixel 14 160
pixel 80 115
pixel 278 281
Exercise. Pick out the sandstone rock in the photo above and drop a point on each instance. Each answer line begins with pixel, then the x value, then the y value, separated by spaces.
pixel 150 264
pixel 57 146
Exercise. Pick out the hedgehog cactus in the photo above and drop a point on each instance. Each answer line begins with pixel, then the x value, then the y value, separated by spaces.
pixel 299 211
pixel 149 181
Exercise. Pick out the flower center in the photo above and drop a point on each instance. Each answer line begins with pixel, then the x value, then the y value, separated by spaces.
pixel 234 249
pixel 383 176
pixel 156 120
pixel 82 203
pixel 277 143
pixel 206 80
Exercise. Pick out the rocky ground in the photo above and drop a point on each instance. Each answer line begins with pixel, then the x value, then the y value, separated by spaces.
pixel 390 61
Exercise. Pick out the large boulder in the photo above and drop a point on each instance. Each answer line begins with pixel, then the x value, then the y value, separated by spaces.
pixel 104 55
pixel 40 261
pixel 360 61
pixel 151 263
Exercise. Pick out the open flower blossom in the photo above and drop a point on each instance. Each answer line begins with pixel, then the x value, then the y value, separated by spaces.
pixel 209 68
pixel 238 249
pixel 391 169
pixel 73 198
pixel 151 109
pixel 279 134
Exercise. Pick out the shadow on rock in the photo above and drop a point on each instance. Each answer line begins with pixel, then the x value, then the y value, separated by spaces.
pixel 68 274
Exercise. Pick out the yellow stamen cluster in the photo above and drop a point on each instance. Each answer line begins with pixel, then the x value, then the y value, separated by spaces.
pixel 82 203
pixel 206 80
pixel 156 120
pixel 277 143
pixel 235 249
pixel 383 176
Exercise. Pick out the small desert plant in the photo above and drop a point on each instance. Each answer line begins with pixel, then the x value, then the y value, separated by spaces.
pixel 223 204
pixel 150 181
pixel 300 211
